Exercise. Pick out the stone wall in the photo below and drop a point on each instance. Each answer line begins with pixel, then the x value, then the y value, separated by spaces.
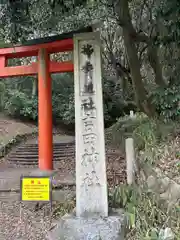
pixel 167 188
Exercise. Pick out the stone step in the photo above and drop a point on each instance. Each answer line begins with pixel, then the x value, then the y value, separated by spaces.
pixel 29 150
pixel 55 145
pixel 25 150
pixel 35 154
pixel 35 149
pixel 15 162
pixel 27 153
pixel 33 161
pixel 16 158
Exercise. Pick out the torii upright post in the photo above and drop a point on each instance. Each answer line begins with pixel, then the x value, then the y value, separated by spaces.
pixel 45 112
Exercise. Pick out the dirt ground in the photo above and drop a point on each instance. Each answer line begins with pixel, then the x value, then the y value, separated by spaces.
pixel 20 221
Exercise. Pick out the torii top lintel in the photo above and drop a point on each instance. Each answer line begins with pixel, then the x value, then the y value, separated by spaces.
pixel 57 43
pixel 52 44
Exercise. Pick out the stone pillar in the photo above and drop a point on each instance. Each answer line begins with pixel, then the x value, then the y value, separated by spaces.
pixel 130 161
pixel 132 115
pixel 91 180
pixel 44 112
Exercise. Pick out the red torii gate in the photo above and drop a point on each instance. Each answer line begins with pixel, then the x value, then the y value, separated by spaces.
pixel 42 48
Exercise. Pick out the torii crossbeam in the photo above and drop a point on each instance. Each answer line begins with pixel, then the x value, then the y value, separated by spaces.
pixel 42 48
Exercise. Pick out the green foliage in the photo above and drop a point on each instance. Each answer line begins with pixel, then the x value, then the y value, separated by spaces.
pixel 169 10
pixel 30 108
pixel 145 213
pixel 62 209
pixel 2 93
pixel 167 102
pixel 2 87
pixel 147 133
pixel 18 104
pixel 63 108
pixel 115 104
pixel 15 102
pixel 19 19
pixel 124 128
pixel 114 98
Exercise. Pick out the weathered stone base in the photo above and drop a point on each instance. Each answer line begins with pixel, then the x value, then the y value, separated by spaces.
pixel 74 228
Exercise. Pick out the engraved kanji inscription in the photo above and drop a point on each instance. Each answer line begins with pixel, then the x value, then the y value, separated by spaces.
pixel 88 77
pixel 90 179
pixel 90 138
pixel 87 68
pixel 87 50
pixel 88 108
pixel 90 157
pixel 88 126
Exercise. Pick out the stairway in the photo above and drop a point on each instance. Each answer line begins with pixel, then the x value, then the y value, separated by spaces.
pixel 26 156
pixel 27 153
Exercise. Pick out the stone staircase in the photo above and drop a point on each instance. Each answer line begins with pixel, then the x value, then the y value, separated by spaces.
pixel 25 156
pixel 27 153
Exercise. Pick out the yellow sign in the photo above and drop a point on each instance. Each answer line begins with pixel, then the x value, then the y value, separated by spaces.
pixel 35 189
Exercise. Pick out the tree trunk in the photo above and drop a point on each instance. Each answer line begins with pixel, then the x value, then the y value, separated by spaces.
pixel 140 94
pixel 155 64
pixel 122 9
pixel 34 88
pixel 121 72
pixel 2 94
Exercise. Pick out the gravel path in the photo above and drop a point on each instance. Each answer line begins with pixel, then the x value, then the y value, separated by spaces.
pixel 27 224
pixel 23 223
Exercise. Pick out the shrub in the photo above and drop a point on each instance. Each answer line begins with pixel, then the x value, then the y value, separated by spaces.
pixel 18 104
pixel 167 102
pixel 18 101
pixel 30 109
pixel 15 101
pixel 145 212
pixel 2 94
pixel 147 133
pixel 124 128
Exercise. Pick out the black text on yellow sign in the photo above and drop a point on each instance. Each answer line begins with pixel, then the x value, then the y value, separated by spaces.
pixel 35 189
